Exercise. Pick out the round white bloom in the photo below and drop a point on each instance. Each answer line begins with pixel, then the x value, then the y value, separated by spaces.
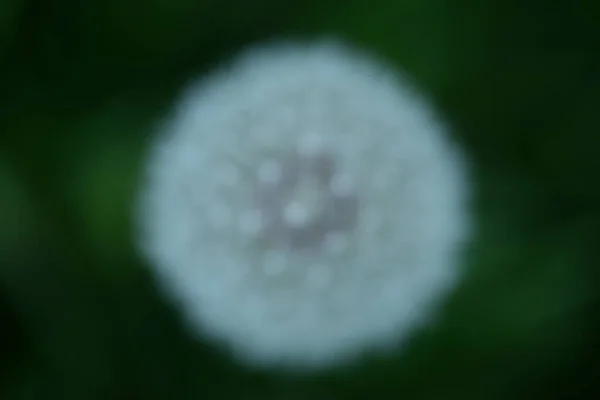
pixel 303 205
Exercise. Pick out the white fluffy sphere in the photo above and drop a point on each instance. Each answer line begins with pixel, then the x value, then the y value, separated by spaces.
pixel 303 205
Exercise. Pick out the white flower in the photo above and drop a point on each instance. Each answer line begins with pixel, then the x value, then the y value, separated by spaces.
pixel 303 205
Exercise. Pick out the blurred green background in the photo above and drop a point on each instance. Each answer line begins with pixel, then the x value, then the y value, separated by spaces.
pixel 83 85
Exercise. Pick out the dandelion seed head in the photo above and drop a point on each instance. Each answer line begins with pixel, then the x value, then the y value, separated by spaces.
pixel 304 206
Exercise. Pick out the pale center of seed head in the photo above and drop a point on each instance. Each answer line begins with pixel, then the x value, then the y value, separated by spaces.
pixel 302 202
pixel 270 172
pixel 305 204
